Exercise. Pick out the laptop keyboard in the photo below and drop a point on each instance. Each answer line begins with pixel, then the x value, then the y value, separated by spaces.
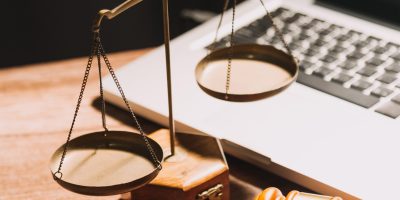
pixel 353 66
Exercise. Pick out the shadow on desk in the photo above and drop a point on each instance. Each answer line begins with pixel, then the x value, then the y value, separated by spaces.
pixel 246 180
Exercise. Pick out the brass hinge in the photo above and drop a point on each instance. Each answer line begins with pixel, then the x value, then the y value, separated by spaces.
pixel 214 193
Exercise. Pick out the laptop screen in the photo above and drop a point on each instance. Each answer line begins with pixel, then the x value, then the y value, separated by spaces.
pixel 386 11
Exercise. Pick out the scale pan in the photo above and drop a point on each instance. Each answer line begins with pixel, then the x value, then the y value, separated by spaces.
pixel 101 165
pixel 257 71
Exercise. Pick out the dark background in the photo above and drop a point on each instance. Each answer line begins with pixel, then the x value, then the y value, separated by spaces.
pixel 45 30
pixel 386 12
pixel 37 31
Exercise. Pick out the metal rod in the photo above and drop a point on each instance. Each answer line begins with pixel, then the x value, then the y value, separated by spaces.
pixel 113 13
pixel 169 84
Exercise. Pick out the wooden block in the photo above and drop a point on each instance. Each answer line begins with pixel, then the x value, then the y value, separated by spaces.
pixel 199 167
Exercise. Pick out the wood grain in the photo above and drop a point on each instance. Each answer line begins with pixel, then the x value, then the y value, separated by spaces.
pixel 197 167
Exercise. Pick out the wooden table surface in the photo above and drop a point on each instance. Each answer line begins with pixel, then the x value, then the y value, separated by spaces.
pixel 36 107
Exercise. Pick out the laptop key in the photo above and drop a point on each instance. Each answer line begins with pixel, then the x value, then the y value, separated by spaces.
pixel 361 44
pixel 242 39
pixel 220 44
pixel 279 12
pixel 304 65
pixel 289 30
pixel 341 78
pixel 337 90
pixel 344 37
pixel 381 49
pixel 373 39
pixel 392 45
pixel 354 33
pixel 293 19
pixel 389 109
pixel 396 99
pixel 387 78
pixel 396 56
pixel 322 72
pixel 320 43
pixel 311 24
pixel 302 36
pixel 329 58
pixel 327 31
pixel 375 61
pixel 356 55
pixel 368 43
pixel 367 71
pixel 381 92
pixel 326 38
pixel 260 25
pixel 296 46
pixel 337 49
pixel 349 64
pixel 247 33
pixel 361 85
pixel 311 52
pixel 394 67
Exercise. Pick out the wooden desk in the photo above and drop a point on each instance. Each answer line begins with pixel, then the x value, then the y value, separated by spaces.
pixel 36 108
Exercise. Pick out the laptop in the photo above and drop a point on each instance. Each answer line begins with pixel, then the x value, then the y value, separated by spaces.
pixel 336 130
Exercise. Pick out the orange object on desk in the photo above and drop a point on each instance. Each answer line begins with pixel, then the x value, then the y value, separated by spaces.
pixel 275 194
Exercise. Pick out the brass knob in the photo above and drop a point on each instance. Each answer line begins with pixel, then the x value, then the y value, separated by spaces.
pixel 275 194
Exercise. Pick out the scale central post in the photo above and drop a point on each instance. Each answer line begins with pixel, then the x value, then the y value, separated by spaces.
pixel 169 81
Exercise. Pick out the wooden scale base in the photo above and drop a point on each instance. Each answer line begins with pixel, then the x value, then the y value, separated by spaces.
pixel 198 171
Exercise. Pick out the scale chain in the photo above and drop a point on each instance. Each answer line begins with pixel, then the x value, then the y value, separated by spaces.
pixel 97 49
pixel 280 35
pixel 83 87
pixel 213 45
pixel 114 77
pixel 229 67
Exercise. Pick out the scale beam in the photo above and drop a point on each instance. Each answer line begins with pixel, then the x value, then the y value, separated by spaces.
pixel 113 13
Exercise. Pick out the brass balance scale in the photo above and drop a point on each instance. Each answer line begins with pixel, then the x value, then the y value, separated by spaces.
pixel 116 162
